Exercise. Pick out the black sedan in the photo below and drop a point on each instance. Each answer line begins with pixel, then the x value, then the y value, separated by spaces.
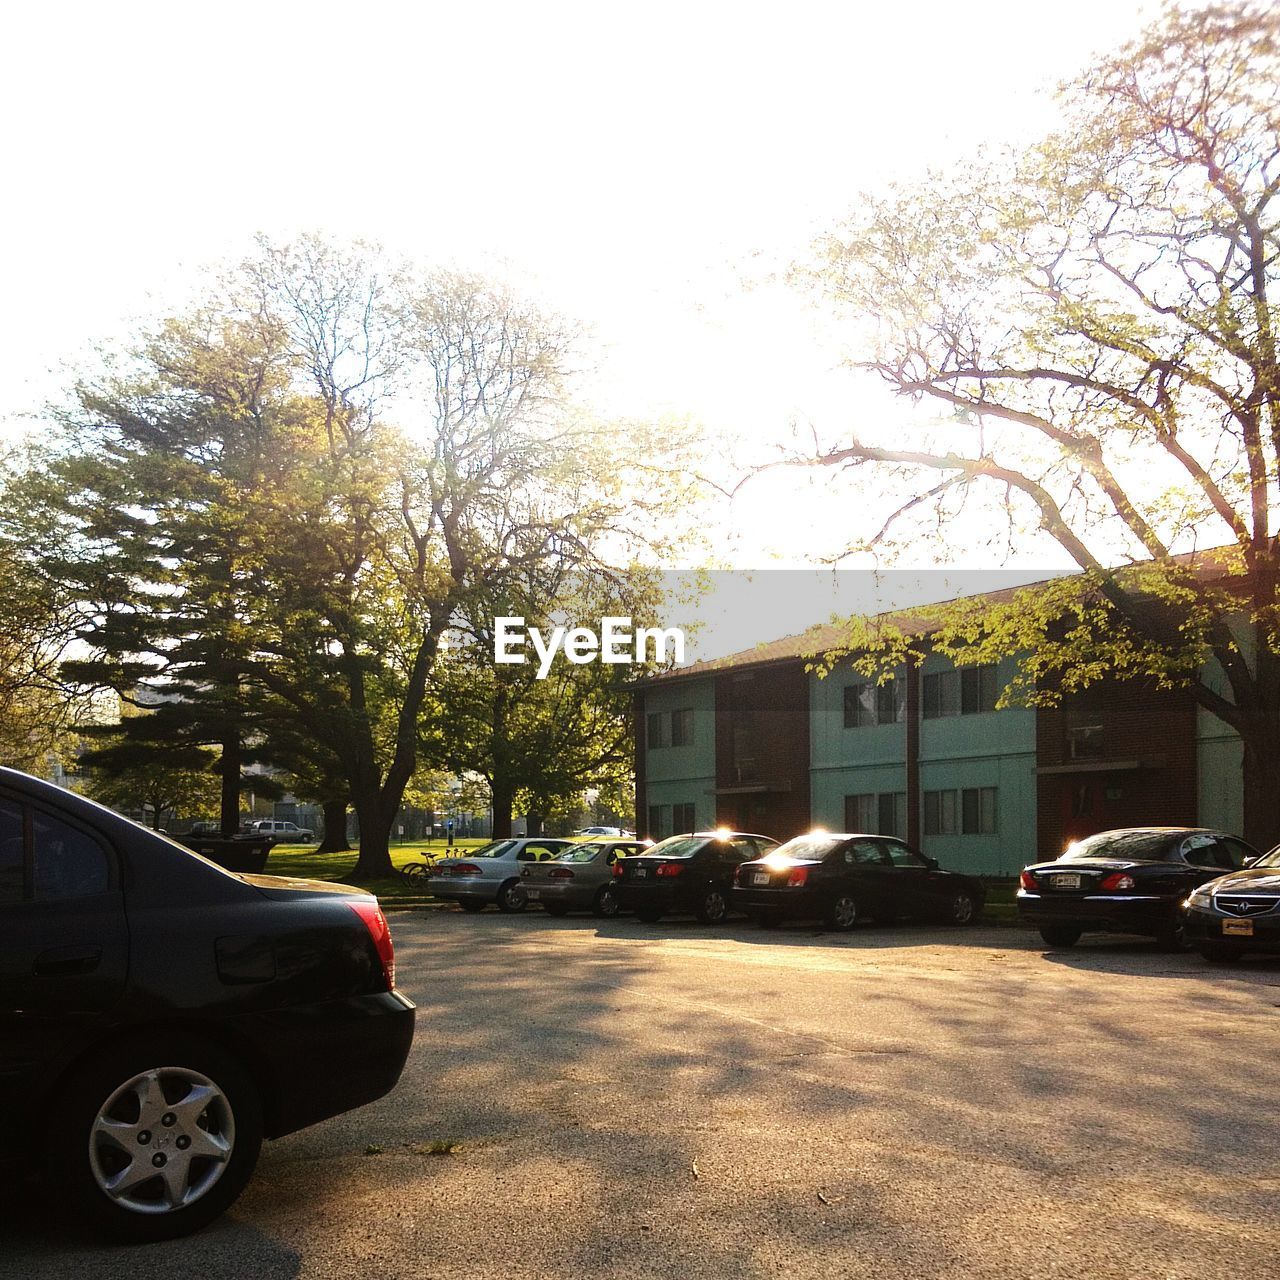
pixel 1236 913
pixel 160 1016
pixel 1128 881
pixel 839 878
pixel 686 874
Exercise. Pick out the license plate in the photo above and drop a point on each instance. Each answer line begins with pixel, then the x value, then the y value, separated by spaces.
pixel 760 877
pixel 1238 928
pixel 641 873
pixel 1066 882
pixel 533 894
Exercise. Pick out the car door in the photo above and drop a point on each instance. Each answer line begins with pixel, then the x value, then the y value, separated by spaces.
pixel 909 883
pixel 64 946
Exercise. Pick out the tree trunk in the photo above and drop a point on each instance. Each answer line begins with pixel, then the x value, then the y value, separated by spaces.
pixel 376 818
pixel 335 828
pixel 230 770
pixel 503 800
pixel 1262 789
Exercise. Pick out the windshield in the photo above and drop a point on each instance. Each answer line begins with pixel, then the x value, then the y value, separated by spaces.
pixel 1140 846
pixel 582 853
pixel 677 847
pixel 494 850
pixel 805 847
pixel 1271 859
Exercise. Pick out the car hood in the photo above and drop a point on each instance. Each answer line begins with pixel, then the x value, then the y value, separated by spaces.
pixel 1248 880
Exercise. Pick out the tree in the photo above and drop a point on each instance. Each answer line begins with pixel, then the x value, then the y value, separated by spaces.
pixel 128 778
pixel 277 505
pixel 1094 319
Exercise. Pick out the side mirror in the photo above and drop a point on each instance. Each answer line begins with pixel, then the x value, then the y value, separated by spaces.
pixel 932 863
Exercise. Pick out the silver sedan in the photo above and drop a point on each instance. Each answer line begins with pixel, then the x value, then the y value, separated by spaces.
pixel 492 873
pixel 580 879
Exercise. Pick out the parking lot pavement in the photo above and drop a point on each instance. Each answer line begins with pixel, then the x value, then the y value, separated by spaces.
pixel 674 1100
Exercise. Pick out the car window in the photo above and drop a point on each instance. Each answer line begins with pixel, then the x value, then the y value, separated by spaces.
pixel 741 850
pixel 1238 852
pixel 523 855
pixel 69 863
pixel 862 853
pixel 1213 853
pixel 901 856
pixel 12 853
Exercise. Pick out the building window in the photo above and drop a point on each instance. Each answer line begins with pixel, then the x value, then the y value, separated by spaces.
pixel 892 812
pixel 683 818
pixel 966 692
pixel 973 807
pixel 670 728
pixel 659 821
pixel 939 813
pixel 978 805
pixel 860 814
pixel 1084 742
pixel 868 703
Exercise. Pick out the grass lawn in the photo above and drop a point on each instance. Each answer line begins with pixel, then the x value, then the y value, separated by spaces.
pixel 302 860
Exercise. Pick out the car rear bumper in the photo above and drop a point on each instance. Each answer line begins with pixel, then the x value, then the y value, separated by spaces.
pixel 560 894
pixel 458 888
pixel 1214 926
pixel 1109 913
pixel 666 899
pixel 794 903
pixel 323 1059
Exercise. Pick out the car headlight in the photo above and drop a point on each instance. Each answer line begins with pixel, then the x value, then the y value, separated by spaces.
pixel 1200 898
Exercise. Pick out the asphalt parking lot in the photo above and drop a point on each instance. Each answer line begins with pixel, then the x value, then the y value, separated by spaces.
pixel 675 1101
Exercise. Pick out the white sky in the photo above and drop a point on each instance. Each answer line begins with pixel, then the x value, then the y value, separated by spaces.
pixel 630 164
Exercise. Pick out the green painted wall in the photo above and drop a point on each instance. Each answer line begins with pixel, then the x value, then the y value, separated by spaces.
pixel 687 774
pixel 1219 761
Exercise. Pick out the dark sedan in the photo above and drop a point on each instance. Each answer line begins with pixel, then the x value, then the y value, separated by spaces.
pixel 160 1016
pixel 1129 881
pixel 839 878
pixel 1236 913
pixel 686 874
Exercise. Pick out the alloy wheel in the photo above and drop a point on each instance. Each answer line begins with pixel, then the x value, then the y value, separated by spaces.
pixel 162 1140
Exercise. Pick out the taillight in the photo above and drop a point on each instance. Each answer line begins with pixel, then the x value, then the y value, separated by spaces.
pixel 798 877
pixel 617 868
pixel 1028 881
pixel 559 873
pixel 669 869
pixel 376 923
pixel 737 874
pixel 466 869
pixel 1117 882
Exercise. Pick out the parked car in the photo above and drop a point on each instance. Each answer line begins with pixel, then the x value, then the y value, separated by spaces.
pixel 580 879
pixel 838 878
pixel 281 832
pixel 602 831
pixel 492 874
pixel 1236 913
pixel 1128 881
pixel 688 873
pixel 160 1016
pixel 205 827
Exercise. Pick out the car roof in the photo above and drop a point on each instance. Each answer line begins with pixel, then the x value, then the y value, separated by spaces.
pixel 723 833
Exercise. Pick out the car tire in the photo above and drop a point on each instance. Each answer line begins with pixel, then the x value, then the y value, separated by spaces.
pixel 1060 936
pixel 555 909
pixel 963 910
pixel 713 907
pixel 648 915
pixel 95 1132
pixel 512 897
pixel 471 904
pixel 842 914
pixel 1219 953
pixel 605 904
